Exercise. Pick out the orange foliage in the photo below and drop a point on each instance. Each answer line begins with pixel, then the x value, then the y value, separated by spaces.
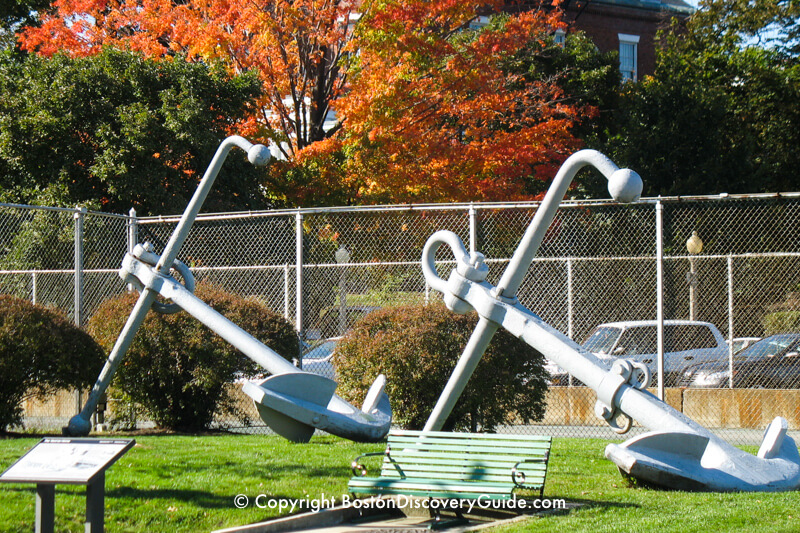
pixel 295 45
pixel 429 115
pixel 435 116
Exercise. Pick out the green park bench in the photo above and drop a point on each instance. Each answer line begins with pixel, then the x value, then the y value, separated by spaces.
pixel 459 466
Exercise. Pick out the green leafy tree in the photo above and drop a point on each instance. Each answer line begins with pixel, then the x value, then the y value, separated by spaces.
pixel 417 347
pixel 719 114
pixel 120 131
pixel 767 23
pixel 589 80
pixel 15 14
pixel 40 352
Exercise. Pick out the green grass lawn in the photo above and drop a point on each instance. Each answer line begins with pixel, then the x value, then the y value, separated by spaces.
pixel 188 483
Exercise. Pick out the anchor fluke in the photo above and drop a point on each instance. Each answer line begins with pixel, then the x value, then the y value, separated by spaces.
pixel 291 404
pixel 692 461
pixel 297 403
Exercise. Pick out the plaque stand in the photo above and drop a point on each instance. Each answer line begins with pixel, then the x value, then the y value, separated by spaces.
pixel 68 461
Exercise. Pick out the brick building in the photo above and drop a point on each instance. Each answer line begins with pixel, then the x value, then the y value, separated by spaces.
pixel 626 26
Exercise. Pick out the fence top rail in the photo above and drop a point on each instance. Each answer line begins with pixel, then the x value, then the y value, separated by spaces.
pixel 71 210
pixel 460 206
pixel 570 203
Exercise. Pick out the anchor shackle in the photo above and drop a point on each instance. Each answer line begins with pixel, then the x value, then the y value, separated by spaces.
pixel 144 252
pixel 469 266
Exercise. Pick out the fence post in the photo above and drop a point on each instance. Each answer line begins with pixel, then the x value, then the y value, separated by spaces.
pixel 730 321
pixel 473 229
pixel 34 289
pixel 660 295
pixel 570 330
pixel 133 230
pixel 133 235
pixel 299 284
pixel 286 292
pixel 78 216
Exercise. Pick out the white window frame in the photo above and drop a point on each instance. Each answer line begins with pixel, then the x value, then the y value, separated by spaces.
pixel 631 73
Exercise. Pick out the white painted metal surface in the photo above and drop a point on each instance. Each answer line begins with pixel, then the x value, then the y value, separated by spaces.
pixel 679 453
pixel 294 403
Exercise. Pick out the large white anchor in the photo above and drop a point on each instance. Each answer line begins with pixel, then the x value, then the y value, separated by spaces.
pixel 292 402
pixel 678 453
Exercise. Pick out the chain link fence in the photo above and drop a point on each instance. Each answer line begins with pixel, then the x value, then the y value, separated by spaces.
pixel 600 264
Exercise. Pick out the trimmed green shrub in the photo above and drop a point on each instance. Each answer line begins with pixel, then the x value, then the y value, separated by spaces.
pixel 417 347
pixel 177 368
pixel 40 351
pixel 781 322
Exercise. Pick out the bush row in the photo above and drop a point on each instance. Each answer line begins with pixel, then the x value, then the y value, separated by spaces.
pixel 174 372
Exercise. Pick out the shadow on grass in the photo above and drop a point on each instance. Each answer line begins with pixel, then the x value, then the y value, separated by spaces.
pixel 199 498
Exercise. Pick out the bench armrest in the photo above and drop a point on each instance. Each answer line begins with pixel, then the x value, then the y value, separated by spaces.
pixel 518 475
pixel 359 469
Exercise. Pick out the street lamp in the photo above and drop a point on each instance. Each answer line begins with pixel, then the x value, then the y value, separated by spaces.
pixel 342 258
pixel 694 245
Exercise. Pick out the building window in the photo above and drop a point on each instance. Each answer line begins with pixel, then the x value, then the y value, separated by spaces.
pixel 628 52
pixel 560 37
pixel 479 23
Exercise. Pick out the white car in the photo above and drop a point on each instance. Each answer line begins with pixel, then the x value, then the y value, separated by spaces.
pixel 740 343
pixel 686 343
pixel 317 360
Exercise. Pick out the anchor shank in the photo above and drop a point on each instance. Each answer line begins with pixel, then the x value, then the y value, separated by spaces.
pixel 469 359
pixel 529 244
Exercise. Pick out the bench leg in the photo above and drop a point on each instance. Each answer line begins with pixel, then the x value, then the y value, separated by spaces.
pixel 437 522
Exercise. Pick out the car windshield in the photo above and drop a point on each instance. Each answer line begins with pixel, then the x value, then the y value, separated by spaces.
pixel 769 347
pixel 320 352
pixel 637 341
pixel 602 340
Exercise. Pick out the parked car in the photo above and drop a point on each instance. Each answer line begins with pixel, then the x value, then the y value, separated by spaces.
pixel 685 343
pixel 740 343
pixel 330 324
pixel 773 363
pixel 317 360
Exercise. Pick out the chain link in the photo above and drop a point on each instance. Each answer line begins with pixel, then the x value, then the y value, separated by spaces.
pixel 597 265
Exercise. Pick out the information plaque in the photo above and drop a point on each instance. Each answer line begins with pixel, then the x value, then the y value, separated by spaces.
pixel 69 461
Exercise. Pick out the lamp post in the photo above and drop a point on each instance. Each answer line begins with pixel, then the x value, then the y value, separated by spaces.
pixel 694 245
pixel 342 258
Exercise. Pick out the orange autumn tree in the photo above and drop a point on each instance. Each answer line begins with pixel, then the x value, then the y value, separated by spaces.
pixel 437 111
pixel 295 45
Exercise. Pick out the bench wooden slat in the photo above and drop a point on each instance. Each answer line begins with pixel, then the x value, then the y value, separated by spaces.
pixel 422 441
pixel 529 480
pixel 457 465
pixel 501 459
pixel 472 450
pixel 398 433
pixel 466 468
pixel 435 489
pixel 415 435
